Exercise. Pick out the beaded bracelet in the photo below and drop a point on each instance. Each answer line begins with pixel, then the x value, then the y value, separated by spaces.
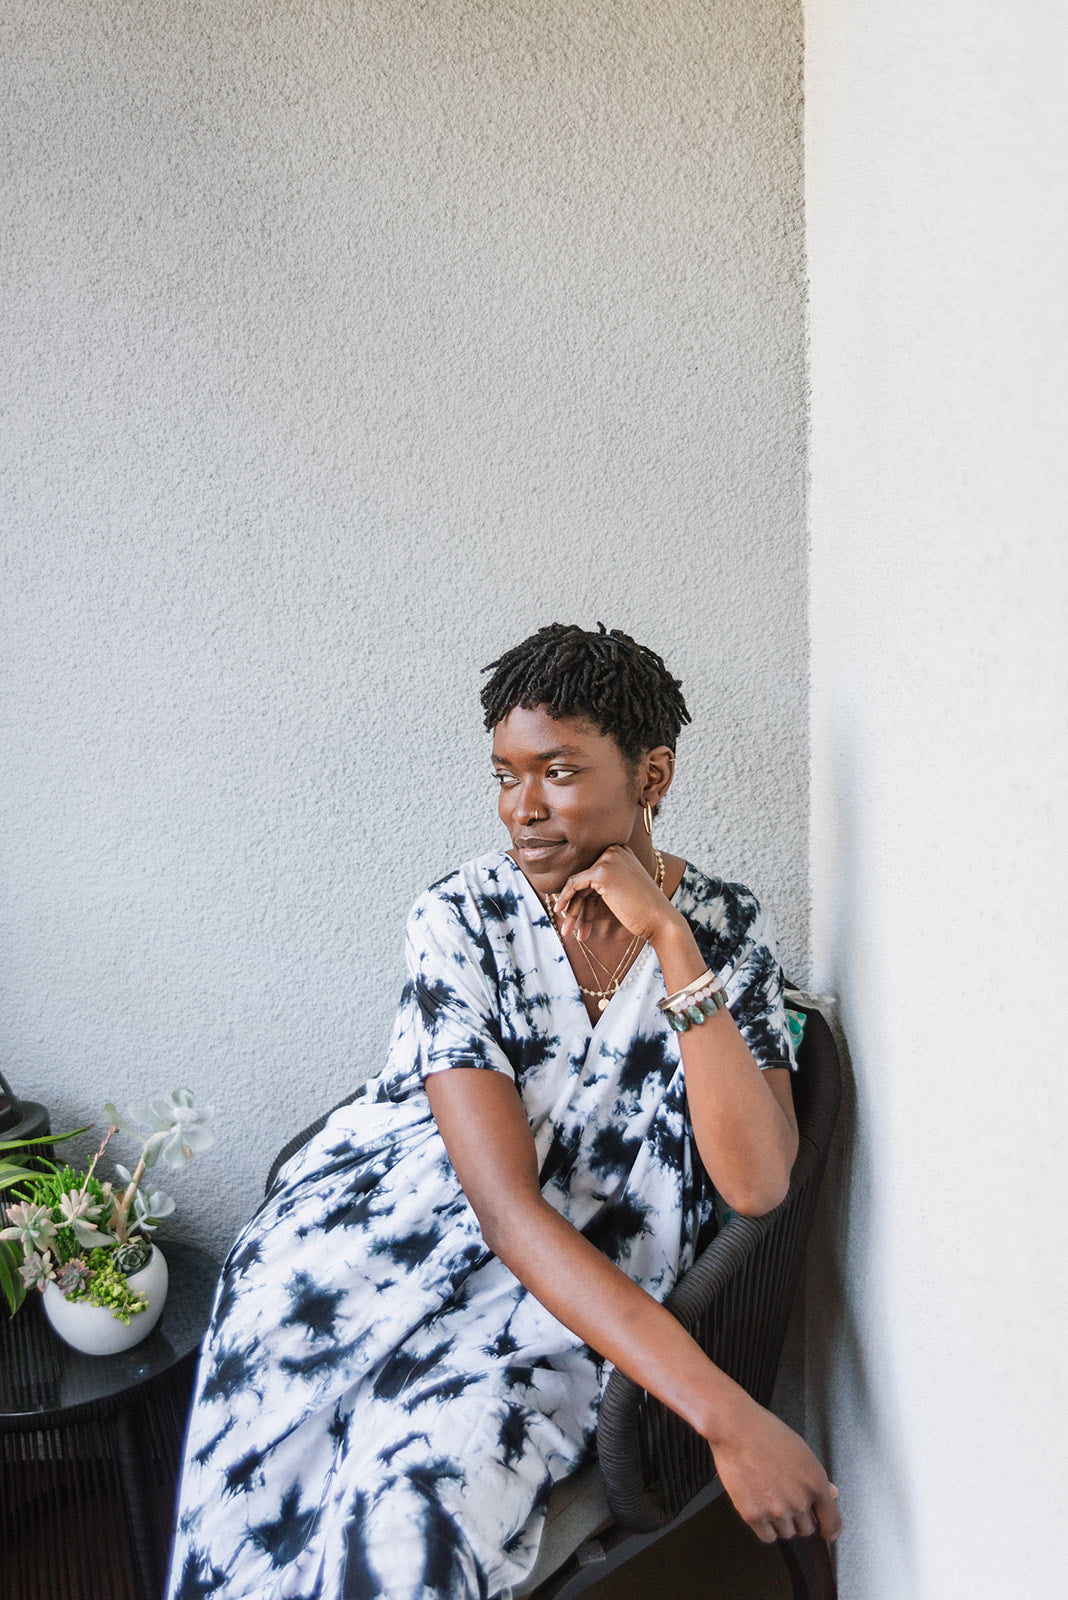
pixel 694 1004
pixel 704 980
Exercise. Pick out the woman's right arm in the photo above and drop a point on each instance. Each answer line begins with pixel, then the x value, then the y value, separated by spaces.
pixel 772 1477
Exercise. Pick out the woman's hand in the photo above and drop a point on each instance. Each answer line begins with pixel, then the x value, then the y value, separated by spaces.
pixel 619 881
pixel 774 1481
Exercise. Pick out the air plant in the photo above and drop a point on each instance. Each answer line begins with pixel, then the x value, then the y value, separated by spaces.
pixel 88 1236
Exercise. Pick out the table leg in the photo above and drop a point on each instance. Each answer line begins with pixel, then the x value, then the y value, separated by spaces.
pixel 136 1469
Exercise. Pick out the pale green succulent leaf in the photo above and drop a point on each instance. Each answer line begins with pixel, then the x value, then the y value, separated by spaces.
pixel 123 1124
pixel 151 1153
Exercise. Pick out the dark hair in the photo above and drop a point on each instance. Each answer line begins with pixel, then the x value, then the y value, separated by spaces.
pixel 623 688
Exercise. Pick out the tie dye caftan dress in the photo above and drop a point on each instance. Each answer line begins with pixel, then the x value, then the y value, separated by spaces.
pixel 381 1407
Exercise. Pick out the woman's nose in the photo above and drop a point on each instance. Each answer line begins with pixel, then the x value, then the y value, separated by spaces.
pixel 529 804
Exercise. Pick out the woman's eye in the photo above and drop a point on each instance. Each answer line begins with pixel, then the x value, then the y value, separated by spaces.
pixel 560 772
pixel 504 779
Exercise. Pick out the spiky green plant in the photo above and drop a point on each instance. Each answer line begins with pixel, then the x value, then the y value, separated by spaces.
pixel 15 1175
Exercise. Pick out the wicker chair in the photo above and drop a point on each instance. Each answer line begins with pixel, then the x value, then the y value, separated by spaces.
pixel 653 1471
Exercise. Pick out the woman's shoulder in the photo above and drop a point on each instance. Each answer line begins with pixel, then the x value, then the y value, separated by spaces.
pixel 485 891
pixel 728 912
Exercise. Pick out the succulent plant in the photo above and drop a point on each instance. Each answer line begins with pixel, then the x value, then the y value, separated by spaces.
pixel 79 1212
pixel 62 1213
pixel 73 1277
pixel 149 1209
pixel 131 1257
pixel 31 1225
pixel 36 1270
pixel 176 1129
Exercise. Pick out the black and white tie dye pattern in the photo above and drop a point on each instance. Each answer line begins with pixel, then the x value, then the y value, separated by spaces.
pixel 382 1409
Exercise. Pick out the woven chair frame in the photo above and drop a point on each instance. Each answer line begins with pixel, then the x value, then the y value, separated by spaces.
pixel 735 1301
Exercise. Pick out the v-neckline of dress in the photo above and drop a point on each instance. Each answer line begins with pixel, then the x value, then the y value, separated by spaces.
pixel 544 919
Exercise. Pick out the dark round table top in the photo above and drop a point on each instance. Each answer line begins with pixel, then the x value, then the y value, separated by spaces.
pixel 43 1382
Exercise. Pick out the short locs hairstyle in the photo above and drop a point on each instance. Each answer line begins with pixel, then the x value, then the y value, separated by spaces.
pixel 620 686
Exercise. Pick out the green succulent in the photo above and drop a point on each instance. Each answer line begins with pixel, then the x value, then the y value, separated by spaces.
pixel 108 1288
pixel 130 1258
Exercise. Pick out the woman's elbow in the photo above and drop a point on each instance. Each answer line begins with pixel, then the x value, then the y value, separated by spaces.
pixel 756 1200
pixel 507 1224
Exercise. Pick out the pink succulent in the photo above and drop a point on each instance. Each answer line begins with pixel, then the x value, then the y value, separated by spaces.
pixel 37 1270
pixel 74 1276
pixel 31 1225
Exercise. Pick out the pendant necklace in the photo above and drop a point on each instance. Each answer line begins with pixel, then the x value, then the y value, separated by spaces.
pixel 615 980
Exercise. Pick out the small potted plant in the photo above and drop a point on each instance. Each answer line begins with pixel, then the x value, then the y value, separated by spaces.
pixel 86 1243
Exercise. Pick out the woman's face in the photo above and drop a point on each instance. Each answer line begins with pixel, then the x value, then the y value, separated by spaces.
pixel 566 793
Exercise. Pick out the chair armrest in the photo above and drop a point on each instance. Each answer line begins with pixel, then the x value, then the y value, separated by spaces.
pixel 735 1301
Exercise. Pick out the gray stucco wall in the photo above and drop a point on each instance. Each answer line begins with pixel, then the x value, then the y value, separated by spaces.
pixel 344 345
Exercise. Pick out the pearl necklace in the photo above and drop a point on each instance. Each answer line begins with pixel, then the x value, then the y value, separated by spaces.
pixel 615 982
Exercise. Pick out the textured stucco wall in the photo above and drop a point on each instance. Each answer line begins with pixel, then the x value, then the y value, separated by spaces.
pixel 343 345
pixel 937 204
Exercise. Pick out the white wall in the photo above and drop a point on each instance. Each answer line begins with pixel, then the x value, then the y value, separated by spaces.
pixel 343 345
pixel 936 207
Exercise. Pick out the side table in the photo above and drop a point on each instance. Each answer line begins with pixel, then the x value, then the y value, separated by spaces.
pixel 90 1448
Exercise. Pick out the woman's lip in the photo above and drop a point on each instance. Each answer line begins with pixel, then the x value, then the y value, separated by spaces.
pixel 537 847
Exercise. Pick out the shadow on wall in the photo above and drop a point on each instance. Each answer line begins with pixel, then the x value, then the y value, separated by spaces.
pixel 851 1406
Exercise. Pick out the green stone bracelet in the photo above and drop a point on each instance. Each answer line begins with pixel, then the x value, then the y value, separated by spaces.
pixel 694 1015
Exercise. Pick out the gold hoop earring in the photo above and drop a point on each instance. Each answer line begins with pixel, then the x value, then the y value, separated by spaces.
pixel 647 818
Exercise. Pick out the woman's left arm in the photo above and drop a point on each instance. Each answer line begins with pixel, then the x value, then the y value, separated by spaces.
pixel 742 1116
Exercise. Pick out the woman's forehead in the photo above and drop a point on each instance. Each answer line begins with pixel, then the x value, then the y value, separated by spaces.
pixel 532 732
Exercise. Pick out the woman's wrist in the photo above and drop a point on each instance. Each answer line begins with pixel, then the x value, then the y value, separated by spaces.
pixel 724 1412
pixel 676 948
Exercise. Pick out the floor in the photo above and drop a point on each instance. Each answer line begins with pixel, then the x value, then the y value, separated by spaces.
pixel 89 1560
pixel 712 1557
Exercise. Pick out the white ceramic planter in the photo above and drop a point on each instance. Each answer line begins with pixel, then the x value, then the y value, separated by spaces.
pixel 94 1330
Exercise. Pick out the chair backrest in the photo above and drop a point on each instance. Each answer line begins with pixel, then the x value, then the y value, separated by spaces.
pixel 735 1301
pixel 299 1140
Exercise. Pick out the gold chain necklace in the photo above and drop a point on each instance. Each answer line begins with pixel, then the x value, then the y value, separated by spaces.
pixel 615 980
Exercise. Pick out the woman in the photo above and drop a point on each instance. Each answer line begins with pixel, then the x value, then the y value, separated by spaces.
pixel 410 1337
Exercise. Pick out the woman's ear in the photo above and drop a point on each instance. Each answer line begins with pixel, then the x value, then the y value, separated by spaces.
pixel 659 769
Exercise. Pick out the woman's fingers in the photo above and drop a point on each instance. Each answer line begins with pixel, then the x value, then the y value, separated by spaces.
pixel 567 901
pixel 583 916
pixel 573 907
pixel 822 1517
pixel 799 1525
pixel 576 905
pixel 618 879
pixel 802 1524
pixel 786 1525
pixel 828 1516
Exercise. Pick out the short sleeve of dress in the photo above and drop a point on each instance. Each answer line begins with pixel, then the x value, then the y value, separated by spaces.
pixel 450 966
pixel 737 940
pixel 755 998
